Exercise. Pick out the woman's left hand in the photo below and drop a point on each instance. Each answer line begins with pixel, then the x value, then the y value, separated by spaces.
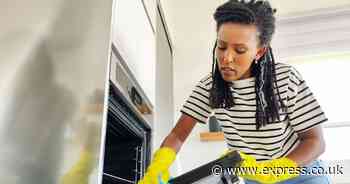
pixel 271 171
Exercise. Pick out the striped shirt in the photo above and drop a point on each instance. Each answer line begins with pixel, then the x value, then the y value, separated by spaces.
pixel 238 123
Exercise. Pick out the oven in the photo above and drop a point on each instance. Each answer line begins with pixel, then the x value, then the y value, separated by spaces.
pixel 128 135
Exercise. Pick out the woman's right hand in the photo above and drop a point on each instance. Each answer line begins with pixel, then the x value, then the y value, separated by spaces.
pixel 158 171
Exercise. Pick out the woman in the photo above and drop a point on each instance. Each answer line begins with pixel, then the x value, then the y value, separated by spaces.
pixel 265 109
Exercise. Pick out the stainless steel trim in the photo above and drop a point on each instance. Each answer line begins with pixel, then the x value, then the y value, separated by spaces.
pixel 122 65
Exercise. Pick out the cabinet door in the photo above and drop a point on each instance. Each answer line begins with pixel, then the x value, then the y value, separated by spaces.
pixel 134 38
pixel 164 108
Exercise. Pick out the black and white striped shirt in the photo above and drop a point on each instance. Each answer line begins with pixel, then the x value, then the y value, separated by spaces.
pixel 238 123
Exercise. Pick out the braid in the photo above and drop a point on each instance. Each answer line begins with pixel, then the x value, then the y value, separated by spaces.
pixel 220 93
pixel 268 98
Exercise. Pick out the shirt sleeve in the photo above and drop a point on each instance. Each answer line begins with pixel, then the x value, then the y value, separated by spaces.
pixel 304 111
pixel 197 104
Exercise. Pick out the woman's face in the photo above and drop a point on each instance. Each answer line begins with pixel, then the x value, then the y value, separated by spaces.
pixel 237 47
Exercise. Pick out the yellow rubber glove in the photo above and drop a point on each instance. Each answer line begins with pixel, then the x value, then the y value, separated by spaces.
pixel 267 172
pixel 79 173
pixel 159 166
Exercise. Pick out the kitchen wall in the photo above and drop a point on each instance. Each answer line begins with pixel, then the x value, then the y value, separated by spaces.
pixel 321 72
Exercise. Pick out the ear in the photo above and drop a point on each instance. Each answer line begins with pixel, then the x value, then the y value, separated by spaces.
pixel 260 53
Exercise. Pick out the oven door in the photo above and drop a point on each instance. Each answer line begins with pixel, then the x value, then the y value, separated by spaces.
pixel 127 142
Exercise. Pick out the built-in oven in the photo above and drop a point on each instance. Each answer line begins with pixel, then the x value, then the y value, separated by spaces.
pixel 128 135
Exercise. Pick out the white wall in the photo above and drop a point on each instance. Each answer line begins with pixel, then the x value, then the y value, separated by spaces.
pixel 325 75
pixel 188 70
pixel 320 72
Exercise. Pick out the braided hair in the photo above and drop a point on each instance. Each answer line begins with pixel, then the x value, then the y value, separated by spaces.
pixel 268 100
